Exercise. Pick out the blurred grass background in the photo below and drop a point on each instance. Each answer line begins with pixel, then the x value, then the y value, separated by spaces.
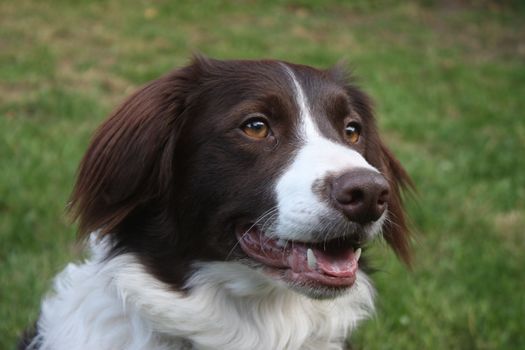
pixel 449 81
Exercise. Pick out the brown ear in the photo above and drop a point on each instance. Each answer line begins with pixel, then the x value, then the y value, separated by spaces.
pixel 129 160
pixel 396 231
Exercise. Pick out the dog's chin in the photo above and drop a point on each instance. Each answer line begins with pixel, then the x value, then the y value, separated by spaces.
pixel 308 288
pixel 317 269
pixel 320 292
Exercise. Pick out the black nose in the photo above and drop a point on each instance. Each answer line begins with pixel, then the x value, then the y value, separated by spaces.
pixel 361 195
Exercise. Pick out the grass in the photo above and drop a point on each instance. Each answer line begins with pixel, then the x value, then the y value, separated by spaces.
pixel 449 82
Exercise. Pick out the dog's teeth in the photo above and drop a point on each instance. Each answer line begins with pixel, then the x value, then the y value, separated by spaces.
pixel 281 242
pixel 310 257
pixel 357 254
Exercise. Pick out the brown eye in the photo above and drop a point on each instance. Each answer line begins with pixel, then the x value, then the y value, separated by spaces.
pixel 256 128
pixel 352 132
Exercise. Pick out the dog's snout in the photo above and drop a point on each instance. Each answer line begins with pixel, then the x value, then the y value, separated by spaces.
pixel 361 195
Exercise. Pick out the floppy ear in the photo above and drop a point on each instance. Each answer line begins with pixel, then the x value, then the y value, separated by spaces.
pixel 395 229
pixel 130 159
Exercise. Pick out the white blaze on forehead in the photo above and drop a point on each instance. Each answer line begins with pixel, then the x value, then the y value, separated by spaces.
pixel 301 211
pixel 309 129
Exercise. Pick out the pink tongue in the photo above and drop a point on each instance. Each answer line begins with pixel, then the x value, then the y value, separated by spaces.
pixel 341 264
pixel 334 262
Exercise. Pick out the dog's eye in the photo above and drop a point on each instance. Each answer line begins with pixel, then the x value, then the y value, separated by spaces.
pixel 352 132
pixel 256 127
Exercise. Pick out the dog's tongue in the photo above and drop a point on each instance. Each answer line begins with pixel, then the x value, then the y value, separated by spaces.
pixel 336 263
pixel 341 264
pixel 329 264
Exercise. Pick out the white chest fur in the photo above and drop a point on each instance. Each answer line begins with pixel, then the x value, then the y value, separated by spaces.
pixel 116 304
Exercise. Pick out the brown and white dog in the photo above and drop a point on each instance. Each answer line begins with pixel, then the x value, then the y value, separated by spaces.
pixel 226 205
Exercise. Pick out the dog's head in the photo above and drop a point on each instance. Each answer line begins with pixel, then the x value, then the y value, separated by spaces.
pixel 267 164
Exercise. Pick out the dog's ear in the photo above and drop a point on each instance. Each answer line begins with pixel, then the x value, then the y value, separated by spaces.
pixel 130 159
pixel 395 229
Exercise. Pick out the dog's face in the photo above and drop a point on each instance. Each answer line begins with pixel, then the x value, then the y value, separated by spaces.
pixel 262 163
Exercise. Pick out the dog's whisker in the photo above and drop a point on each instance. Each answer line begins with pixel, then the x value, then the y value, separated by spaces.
pixel 270 212
pixel 263 229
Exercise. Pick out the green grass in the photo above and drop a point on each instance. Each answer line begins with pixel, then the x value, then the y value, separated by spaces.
pixel 449 82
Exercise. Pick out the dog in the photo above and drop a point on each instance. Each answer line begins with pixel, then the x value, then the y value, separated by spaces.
pixel 226 206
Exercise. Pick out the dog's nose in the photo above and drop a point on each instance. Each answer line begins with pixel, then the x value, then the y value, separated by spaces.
pixel 361 195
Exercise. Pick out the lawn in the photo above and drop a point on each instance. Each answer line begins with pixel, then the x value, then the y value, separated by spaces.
pixel 449 84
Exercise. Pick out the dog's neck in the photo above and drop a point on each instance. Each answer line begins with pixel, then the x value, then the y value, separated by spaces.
pixel 118 304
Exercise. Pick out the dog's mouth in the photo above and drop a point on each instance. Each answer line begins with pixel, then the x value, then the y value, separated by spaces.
pixel 332 263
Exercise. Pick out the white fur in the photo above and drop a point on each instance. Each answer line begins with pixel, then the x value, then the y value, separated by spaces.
pixel 115 304
pixel 301 212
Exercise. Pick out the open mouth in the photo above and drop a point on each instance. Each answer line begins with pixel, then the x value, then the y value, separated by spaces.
pixel 332 263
